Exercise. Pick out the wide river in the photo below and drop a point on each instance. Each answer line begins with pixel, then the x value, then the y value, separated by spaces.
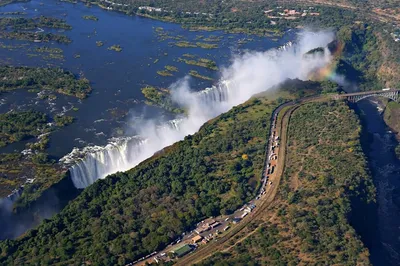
pixel 116 77
pixel 116 100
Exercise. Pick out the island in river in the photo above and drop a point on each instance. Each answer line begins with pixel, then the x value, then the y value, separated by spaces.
pixel 116 85
pixel 91 98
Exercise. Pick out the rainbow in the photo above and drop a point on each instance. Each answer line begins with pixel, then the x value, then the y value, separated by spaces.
pixel 328 72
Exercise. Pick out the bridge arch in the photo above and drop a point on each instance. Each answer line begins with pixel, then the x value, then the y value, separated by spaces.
pixel 392 96
pixel 358 96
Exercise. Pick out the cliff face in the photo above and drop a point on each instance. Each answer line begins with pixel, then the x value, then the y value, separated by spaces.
pixel 392 119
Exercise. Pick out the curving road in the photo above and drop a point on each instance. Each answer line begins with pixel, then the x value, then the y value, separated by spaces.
pixel 281 120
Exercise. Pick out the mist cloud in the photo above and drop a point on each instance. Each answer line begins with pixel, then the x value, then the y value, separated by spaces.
pixel 248 74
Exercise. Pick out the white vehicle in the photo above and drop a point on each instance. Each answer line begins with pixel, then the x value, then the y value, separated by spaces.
pixel 226 219
pixel 226 228
pixel 387 89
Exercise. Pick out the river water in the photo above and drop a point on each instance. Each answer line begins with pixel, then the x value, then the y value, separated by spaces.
pixel 116 102
pixel 116 77
pixel 379 225
pixel 116 99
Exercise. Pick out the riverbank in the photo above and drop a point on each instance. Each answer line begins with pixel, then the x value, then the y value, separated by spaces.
pixel 112 107
pixel 377 223
pixel 16 219
pixel 391 116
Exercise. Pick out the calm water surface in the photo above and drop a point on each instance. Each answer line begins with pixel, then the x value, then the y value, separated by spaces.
pixel 116 77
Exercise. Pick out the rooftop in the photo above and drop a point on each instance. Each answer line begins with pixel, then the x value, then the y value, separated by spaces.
pixel 182 250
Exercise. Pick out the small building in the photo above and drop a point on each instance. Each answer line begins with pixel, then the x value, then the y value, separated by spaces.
pixel 211 222
pixel 201 229
pixel 182 250
pixel 197 239
pixel 215 224
pixel 236 220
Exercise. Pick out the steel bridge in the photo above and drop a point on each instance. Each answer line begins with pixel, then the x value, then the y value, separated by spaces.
pixel 392 94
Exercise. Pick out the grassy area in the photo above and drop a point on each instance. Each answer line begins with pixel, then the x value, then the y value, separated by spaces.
pixel 164 73
pixel 201 62
pixel 115 47
pixel 171 68
pixel 196 74
pixel 90 17
pixel 50 50
pixel 205 45
pixel 185 44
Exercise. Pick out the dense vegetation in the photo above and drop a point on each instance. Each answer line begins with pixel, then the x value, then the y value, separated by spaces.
pixel 201 62
pixel 17 126
pixel 115 47
pixel 54 79
pixel 309 225
pixel 16 168
pixel 130 214
pixel 34 37
pixel 33 23
pixel 17 28
pixel 90 17
pixel 366 58
pixel 161 98
pixel 233 16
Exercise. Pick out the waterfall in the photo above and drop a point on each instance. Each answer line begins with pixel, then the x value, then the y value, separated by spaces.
pixel 216 94
pixel 6 214
pixel 121 154
pixel 248 75
pixel 96 162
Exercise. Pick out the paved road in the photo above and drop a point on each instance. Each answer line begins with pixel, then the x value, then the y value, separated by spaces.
pixel 282 121
pixel 264 202
pixel 266 195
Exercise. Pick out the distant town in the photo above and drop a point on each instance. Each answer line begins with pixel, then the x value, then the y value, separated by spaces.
pixel 289 14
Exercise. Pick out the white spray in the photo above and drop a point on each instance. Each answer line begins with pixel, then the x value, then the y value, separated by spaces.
pixel 249 74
